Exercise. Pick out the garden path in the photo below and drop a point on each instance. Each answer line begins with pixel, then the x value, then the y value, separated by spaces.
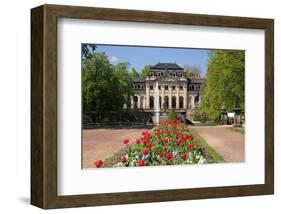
pixel 99 144
pixel 228 143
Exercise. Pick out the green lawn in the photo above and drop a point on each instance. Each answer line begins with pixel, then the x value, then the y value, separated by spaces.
pixel 239 129
pixel 207 123
pixel 212 155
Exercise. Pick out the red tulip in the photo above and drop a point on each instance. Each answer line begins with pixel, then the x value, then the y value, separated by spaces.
pixel 145 152
pixel 138 141
pixel 98 163
pixel 149 145
pixel 140 163
pixel 144 132
pixel 123 159
pixel 126 141
pixel 169 156
pixel 189 146
pixel 188 137
pixel 161 154
pixel 184 155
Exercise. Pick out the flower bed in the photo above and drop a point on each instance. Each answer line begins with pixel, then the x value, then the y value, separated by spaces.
pixel 166 144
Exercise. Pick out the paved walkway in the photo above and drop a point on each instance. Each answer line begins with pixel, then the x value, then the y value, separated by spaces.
pixel 228 143
pixel 102 143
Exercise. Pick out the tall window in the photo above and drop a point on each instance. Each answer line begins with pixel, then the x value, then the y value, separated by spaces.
pixel 181 102
pixel 160 101
pixel 174 102
pixel 135 101
pixel 151 102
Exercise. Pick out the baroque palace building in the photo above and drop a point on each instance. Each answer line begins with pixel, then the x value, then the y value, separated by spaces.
pixel 176 91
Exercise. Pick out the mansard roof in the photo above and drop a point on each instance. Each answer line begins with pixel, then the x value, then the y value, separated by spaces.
pixel 138 79
pixel 166 66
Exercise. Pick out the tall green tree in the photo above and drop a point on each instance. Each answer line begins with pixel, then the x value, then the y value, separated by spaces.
pixel 105 87
pixel 134 73
pixel 124 79
pixel 145 71
pixel 225 79
pixel 87 50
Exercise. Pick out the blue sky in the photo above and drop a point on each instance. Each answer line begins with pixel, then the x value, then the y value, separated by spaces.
pixel 138 57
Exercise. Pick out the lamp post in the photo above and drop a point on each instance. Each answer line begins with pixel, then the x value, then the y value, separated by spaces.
pixel 237 113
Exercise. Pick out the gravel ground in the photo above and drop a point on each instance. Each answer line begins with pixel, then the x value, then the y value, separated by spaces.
pixel 228 143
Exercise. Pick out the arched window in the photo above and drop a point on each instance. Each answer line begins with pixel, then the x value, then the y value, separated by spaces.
pixel 151 102
pixel 166 101
pixel 174 102
pixel 136 101
pixel 181 102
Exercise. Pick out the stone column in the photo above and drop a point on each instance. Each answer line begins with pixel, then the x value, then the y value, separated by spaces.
pixel 185 97
pixel 163 96
pixel 139 101
pixel 170 97
pixel 132 102
pixel 178 97
pixel 147 96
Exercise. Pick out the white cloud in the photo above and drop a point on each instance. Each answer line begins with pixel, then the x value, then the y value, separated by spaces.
pixel 113 59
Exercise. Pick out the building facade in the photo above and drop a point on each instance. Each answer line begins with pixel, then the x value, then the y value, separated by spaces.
pixel 176 91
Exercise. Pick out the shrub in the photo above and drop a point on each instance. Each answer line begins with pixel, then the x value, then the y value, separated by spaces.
pixel 172 116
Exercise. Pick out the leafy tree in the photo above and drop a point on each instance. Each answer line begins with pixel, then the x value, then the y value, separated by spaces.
pixel 225 79
pixel 192 71
pixel 123 77
pixel 145 71
pixel 105 87
pixel 87 50
pixel 134 73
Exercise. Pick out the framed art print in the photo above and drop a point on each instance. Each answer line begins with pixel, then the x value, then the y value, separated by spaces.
pixel 138 106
